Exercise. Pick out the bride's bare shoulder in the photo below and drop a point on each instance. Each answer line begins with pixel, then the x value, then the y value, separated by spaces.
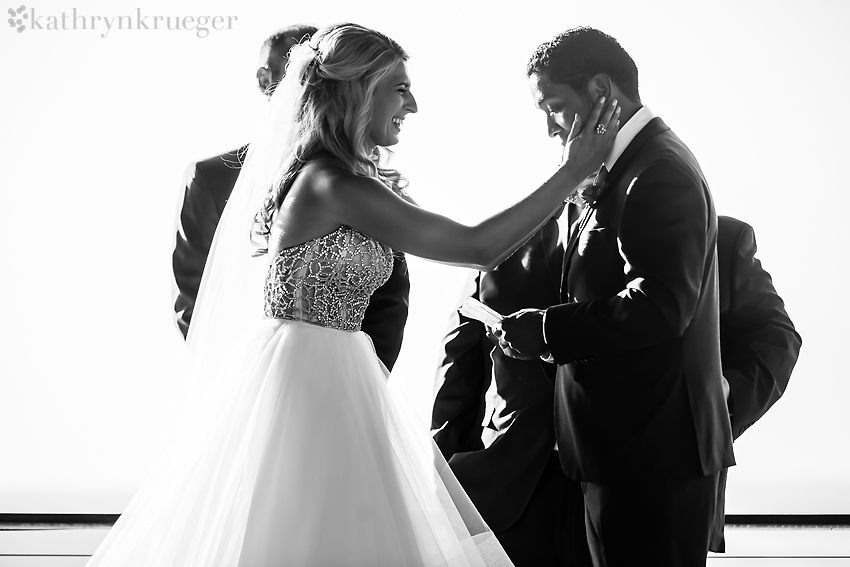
pixel 322 170
pixel 328 176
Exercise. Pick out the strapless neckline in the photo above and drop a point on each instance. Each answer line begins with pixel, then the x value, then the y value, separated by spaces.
pixel 327 280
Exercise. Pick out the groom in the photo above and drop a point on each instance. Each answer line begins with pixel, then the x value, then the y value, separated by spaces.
pixel 640 411
pixel 492 414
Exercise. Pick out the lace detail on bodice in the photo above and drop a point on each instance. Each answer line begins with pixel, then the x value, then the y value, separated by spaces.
pixel 327 281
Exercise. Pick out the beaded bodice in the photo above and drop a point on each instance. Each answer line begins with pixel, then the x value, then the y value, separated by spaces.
pixel 327 281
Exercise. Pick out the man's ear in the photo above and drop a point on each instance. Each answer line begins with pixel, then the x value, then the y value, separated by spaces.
pixel 600 85
pixel 264 78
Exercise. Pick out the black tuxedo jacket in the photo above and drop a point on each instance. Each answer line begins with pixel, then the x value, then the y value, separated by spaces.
pixel 208 184
pixel 501 477
pixel 639 392
pixel 758 343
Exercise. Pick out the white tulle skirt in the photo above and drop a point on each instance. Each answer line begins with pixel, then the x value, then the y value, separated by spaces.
pixel 308 457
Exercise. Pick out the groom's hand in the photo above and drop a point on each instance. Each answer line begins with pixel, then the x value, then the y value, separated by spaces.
pixel 521 334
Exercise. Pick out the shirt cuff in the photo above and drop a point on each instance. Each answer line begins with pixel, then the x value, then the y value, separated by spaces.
pixel 546 356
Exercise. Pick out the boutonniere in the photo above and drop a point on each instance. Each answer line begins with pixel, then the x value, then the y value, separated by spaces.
pixel 588 194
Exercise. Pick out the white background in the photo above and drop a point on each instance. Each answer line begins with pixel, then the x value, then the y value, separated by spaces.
pixel 96 134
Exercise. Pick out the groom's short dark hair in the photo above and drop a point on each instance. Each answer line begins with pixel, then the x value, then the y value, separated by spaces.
pixel 575 56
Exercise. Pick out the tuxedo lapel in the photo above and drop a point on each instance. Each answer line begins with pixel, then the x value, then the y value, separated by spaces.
pixel 553 237
pixel 654 126
pixel 575 236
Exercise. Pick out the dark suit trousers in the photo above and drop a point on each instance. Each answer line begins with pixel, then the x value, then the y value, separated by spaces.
pixel 551 532
pixel 658 522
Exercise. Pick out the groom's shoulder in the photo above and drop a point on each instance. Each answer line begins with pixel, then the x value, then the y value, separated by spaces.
pixel 658 139
pixel 661 146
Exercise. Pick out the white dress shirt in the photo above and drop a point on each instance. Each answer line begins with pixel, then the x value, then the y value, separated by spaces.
pixel 627 133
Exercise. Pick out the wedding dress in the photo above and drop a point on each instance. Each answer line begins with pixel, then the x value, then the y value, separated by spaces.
pixel 311 456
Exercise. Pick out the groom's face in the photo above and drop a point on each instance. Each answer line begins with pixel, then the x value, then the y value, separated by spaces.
pixel 560 103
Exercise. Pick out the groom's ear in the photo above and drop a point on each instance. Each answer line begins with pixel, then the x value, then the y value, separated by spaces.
pixel 598 86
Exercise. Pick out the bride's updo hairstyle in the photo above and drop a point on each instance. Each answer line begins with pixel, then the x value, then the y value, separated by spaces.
pixel 332 78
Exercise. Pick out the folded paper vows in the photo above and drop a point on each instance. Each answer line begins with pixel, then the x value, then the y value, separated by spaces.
pixel 474 309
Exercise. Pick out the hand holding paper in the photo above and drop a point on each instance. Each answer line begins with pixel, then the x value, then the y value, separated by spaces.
pixel 474 309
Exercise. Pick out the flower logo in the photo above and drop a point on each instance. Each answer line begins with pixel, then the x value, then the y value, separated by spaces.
pixel 16 20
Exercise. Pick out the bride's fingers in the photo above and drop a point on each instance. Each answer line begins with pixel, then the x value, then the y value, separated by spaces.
pixel 609 115
pixel 595 113
pixel 613 124
pixel 608 124
pixel 576 127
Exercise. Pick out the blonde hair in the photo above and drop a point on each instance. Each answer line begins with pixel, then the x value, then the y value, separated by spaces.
pixel 338 77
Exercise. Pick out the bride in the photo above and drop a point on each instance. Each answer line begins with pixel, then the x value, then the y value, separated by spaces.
pixel 298 450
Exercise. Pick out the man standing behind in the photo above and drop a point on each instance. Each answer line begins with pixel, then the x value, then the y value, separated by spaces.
pixel 208 184
pixel 510 469
pixel 758 343
pixel 640 411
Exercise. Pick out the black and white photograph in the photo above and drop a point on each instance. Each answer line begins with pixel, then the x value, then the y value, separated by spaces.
pixel 383 284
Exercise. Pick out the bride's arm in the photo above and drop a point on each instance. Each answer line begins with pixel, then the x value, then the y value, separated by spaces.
pixel 370 207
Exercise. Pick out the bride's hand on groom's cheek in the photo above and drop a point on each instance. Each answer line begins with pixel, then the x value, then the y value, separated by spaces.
pixel 520 334
pixel 591 141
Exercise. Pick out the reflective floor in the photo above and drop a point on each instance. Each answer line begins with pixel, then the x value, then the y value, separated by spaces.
pixel 745 546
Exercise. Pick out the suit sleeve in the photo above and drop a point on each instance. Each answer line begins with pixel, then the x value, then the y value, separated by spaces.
pixel 663 239
pixel 463 379
pixel 196 222
pixel 386 314
pixel 759 345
